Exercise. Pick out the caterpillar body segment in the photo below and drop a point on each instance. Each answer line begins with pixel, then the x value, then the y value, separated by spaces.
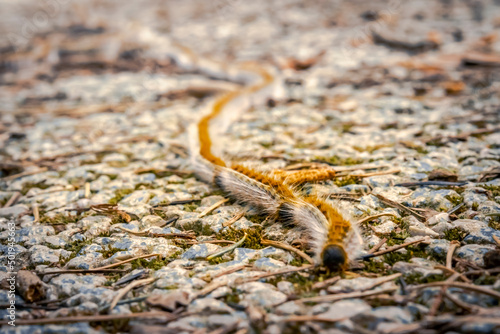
pixel 247 191
pixel 269 180
pixel 305 176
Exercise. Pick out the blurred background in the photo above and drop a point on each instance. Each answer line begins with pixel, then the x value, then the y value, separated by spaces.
pixel 63 58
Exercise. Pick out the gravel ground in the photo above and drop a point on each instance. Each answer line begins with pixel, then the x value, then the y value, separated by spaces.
pixel 402 98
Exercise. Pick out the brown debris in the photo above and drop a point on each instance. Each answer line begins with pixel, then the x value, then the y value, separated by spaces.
pixel 414 47
pixel 29 286
pixel 492 259
pixel 300 65
pixel 481 60
pixel 442 175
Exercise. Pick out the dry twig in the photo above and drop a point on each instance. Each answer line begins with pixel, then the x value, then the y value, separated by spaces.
pixel 393 204
pixel 377 246
pixel 288 248
pixel 126 289
pixel 213 207
pixel 367 219
pixel 339 296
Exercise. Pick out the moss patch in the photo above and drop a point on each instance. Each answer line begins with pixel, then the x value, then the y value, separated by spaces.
pixel 254 236
pixel 59 219
pixel 344 181
pixel 417 278
pixel 494 191
pixel 119 195
pixel 494 224
pixel 455 234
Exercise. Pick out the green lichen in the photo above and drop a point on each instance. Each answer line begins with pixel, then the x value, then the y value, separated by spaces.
pixel 119 195
pixel 59 219
pixel 494 224
pixel 232 298
pixel 411 252
pixel 347 180
pixel 455 234
pixel 494 191
pixel 418 278
pixel 190 207
pixel 253 239
pixel 143 186
pixel 375 267
pixel 154 263
pixel 75 248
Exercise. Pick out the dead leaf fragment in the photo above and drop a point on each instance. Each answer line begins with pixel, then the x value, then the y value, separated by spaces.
pixel 29 286
pixel 169 302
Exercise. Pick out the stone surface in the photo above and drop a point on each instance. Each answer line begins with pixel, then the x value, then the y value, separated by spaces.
pixel 96 132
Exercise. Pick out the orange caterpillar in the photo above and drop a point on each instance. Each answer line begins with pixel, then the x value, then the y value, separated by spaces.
pixel 305 176
pixel 332 236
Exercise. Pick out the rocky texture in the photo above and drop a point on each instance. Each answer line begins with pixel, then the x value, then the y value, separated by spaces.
pixel 94 118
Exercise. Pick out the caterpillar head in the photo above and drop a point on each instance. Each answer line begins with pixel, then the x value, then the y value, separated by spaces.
pixel 334 257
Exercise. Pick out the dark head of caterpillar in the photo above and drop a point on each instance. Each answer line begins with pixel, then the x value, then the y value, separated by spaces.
pixel 334 257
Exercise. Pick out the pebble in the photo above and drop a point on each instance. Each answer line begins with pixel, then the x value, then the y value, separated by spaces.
pixel 474 253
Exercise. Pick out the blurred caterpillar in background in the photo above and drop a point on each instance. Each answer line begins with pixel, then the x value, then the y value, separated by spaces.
pixel 332 236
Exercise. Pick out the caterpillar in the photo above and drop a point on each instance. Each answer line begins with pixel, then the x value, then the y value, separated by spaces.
pixel 334 239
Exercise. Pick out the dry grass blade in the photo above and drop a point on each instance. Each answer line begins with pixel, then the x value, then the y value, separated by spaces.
pixel 36 212
pixel 393 204
pixel 453 271
pixel 232 270
pixel 227 249
pixel 213 207
pixel 369 218
pixel 377 246
pixel 483 272
pixel 303 318
pixel 449 256
pixel 15 176
pixel 189 235
pixel 465 286
pixel 127 261
pixel 126 289
pixel 326 283
pixel 394 248
pixel 81 271
pixel 289 248
pixel 93 318
pixel 281 272
pixel 234 219
pixel 466 306
pixel 382 280
pixel 497 240
pixel 340 296
pixel 384 172
pixel 13 199
pixel 87 190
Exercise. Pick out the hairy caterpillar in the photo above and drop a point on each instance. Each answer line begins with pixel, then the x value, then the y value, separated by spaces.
pixel 332 236
pixel 305 176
